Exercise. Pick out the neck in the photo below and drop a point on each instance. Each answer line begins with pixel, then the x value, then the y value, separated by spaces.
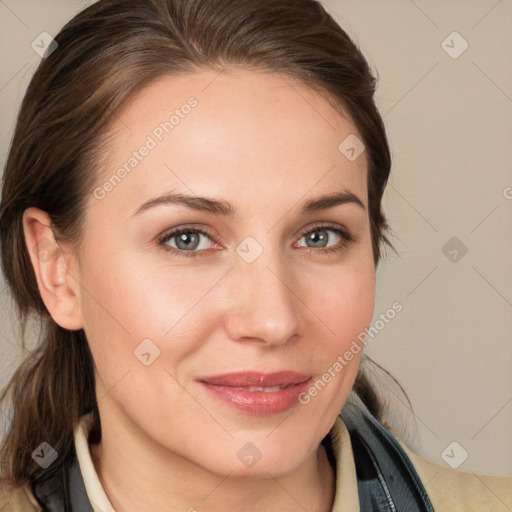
pixel 153 478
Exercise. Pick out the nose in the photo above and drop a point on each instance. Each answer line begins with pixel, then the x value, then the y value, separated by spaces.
pixel 263 304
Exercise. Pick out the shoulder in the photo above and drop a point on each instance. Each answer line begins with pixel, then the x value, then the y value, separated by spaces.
pixel 451 490
pixel 17 499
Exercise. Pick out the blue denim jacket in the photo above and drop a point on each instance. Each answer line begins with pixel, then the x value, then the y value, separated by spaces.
pixel 386 478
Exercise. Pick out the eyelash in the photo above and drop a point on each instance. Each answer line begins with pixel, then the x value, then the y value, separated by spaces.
pixel 346 235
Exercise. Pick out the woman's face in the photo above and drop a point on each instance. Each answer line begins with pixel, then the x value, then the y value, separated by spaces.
pixel 257 292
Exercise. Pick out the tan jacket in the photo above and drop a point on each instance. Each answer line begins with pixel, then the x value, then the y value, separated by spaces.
pixel 449 490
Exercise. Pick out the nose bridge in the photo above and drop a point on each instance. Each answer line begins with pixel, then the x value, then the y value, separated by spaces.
pixel 264 305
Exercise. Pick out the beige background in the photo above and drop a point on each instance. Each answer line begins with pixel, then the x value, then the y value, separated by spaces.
pixel 449 122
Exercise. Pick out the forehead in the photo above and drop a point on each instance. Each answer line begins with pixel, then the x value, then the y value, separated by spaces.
pixel 244 135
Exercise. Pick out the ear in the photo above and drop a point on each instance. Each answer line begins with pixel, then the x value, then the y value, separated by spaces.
pixel 54 268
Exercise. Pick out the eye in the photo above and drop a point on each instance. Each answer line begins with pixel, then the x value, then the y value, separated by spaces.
pixel 187 241
pixel 318 235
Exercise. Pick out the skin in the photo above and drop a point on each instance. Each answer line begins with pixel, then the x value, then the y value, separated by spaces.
pixel 266 145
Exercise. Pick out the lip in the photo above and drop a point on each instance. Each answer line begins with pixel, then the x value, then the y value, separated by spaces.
pixel 233 388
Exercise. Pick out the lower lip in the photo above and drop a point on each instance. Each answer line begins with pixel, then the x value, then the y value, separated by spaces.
pixel 259 402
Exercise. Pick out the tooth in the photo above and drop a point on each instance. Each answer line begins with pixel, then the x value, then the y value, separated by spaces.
pixel 270 389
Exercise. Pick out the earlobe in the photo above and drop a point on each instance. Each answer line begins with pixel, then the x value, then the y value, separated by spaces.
pixel 59 289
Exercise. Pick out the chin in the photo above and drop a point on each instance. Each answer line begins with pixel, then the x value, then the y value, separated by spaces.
pixel 249 462
pixel 259 470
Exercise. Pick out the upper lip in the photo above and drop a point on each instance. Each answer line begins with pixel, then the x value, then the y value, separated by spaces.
pixel 257 379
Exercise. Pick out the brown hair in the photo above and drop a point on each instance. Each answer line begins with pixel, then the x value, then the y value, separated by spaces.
pixel 104 55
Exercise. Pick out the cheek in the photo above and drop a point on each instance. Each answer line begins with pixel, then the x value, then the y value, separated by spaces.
pixel 345 300
pixel 343 308
pixel 120 308
pixel 126 294
pixel 130 299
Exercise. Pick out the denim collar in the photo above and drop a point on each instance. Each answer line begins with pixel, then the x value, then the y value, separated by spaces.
pixel 386 478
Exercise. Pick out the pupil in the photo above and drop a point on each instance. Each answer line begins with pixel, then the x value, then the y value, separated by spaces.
pixel 317 236
pixel 183 238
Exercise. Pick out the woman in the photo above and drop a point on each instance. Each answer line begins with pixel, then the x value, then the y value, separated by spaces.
pixel 192 206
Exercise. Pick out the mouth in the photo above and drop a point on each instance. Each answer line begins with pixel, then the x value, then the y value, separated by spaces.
pixel 257 393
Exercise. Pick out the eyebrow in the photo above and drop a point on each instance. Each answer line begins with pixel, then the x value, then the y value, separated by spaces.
pixel 226 209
